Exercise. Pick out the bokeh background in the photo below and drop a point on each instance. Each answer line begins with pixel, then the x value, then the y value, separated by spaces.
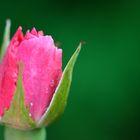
pixel 104 101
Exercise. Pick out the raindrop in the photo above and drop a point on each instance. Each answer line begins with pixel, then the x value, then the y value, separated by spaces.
pixel 31 104
pixel 30 114
pixel 47 90
pixel 52 83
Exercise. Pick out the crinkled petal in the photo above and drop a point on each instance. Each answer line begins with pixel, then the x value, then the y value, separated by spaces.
pixel 9 72
pixel 41 73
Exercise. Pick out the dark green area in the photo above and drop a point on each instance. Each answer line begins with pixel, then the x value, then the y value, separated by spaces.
pixel 104 101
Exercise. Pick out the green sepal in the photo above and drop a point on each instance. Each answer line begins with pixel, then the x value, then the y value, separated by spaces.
pixel 17 116
pixel 60 96
pixel 6 38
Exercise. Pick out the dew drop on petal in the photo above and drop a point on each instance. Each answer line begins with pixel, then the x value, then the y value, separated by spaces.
pixel 31 104
pixel 30 114
pixel 52 83
pixel 47 90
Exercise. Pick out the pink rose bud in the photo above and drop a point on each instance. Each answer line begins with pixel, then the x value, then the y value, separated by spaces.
pixel 40 76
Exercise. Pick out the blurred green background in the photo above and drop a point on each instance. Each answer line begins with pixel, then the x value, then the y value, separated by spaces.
pixel 104 102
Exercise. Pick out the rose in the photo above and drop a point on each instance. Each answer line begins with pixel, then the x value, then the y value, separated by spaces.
pixel 41 73
pixel 33 89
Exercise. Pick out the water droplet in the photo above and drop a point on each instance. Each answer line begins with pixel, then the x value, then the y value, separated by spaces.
pixel 31 104
pixel 30 114
pixel 14 75
pixel 47 90
pixel 52 83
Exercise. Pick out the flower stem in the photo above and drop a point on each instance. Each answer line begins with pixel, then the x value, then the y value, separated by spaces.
pixel 15 134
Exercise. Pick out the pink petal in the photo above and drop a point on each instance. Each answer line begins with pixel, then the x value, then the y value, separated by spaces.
pixel 9 72
pixel 34 32
pixel 42 72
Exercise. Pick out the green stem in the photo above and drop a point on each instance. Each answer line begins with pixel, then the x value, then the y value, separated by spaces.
pixel 14 134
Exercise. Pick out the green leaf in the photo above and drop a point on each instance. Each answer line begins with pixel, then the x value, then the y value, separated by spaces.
pixel 6 38
pixel 18 115
pixel 60 96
